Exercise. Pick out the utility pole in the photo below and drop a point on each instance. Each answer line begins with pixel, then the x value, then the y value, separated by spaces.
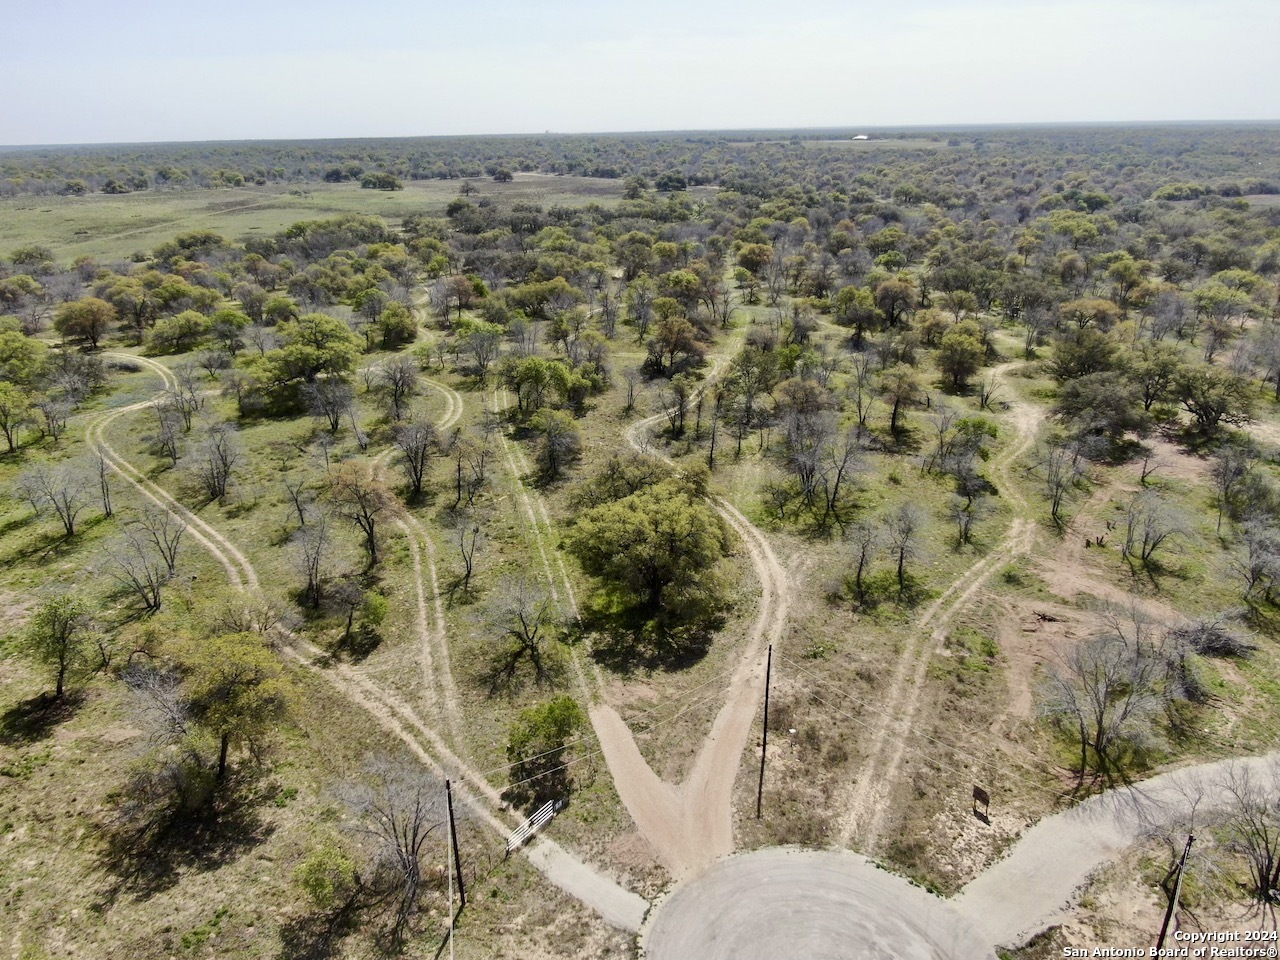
pixel 764 743
pixel 453 839
pixel 1177 892
pixel 451 913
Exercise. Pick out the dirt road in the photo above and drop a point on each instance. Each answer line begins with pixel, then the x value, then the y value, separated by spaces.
pixel 865 807
pixel 433 645
pixel 690 825
pixel 1033 886
pixel 782 902
pixel 819 905
pixel 615 903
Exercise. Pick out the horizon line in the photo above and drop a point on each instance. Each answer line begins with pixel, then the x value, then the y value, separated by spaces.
pixel 919 127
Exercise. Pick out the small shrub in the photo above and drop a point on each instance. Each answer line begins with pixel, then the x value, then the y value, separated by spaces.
pixel 327 876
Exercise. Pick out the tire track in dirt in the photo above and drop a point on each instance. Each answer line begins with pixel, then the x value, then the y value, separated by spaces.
pixel 513 458
pixel 545 527
pixel 433 647
pixel 691 824
pixel 453 404
pixel 865 808
pixel 239 570
pixel 618 905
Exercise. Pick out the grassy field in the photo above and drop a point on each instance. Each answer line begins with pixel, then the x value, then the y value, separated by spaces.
pixel 56 777
pixel 973 718
pixel 112 228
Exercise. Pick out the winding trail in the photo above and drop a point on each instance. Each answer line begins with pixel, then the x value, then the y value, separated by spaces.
pixel 538 522
pixel 433 647
pixel 239 571
pixel 865 808
pixel 617 905
pixel 690 825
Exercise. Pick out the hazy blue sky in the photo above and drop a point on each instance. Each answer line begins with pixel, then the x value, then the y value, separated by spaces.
pixel 78 71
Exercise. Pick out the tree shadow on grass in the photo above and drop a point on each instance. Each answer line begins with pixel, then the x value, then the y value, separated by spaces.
pixel 627 641
pixel 32 720
pixel 46 545
pixel 16 523
pixel 318 936
pixel 357 646
pixel 885 596
pixel 148 854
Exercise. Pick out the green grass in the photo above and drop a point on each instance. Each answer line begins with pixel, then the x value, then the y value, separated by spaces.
pixel 112 228
pixel 828 693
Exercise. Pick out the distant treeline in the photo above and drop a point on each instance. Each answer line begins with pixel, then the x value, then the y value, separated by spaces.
pixel 1175 162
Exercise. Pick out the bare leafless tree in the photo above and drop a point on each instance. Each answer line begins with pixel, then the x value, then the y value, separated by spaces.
pixel 839 460
pixel 862 387
pixel 1253 825
pixel 314 543
pixel 807 434
pixel 29 488
pixel 331 398
pixel 1151 462
pixel 398 380
pixel 469 536
pixel 1233 464
pixel 64 490
pixel 213 362
pixel 716 394
pixel 417 443
pixel 943 420
pixel 610 306
pixel 215 460
pixel 903 529
pixel 524 614
pixel 357 432
pixel 359 494
pixel 865 539
pixel 401 813
pixel 261 338
pixel 161 705
pixel 139 559
pixel 1149 524
pixel 965 513
pixel 297 487
pixel 633 377
pixel 164 531
pixel 169 430
pixel 54 411
pixel 1063 471
pixel 103 469
pixel 988 390
pixel 1108 690
pixel 484 343
pixel 185 396
pixel 775 275
pixel 1256 561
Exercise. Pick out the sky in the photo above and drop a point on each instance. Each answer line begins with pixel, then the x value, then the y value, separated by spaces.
pixel 81 71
